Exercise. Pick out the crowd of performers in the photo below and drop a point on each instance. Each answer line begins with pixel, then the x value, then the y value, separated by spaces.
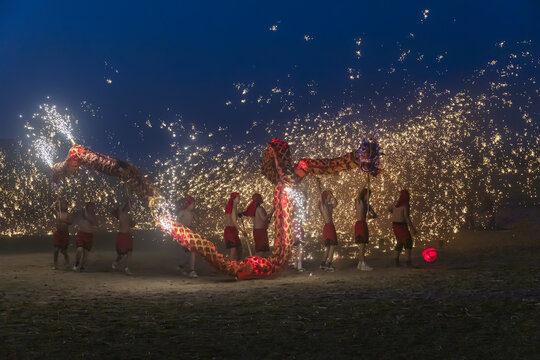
pixel 233 226
pixel 87 225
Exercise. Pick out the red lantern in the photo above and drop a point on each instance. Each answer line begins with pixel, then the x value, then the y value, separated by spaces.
pixel 429 254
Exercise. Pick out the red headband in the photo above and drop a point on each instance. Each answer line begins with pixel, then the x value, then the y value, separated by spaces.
pixel 189 200
pixel 404 198
pixel 229 207
pixel 256 201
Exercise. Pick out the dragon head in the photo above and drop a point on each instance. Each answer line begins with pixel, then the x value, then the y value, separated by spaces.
pixel 276 161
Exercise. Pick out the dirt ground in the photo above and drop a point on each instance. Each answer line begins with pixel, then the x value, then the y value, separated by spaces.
pixel 480 298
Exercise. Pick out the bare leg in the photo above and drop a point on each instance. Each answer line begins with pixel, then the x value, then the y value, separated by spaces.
pixel 78 256
pixel 66 256
pixel 362 252
pixel 330 256
pixel 362 255
pixel 191 260
pixel 299 257
pixel 233 254
pixel 84 258
pixel 192 257
pixel 396 257
pixel 56 250
pixel 408 256
pixel 117 261
pixel 325 257
pixel 239 253
pixel 128 263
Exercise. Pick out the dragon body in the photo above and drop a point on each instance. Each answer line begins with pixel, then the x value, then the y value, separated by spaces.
pixel 277 167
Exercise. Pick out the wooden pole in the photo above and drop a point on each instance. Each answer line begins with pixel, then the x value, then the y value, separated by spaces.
pixel 246 240
pixel 369 194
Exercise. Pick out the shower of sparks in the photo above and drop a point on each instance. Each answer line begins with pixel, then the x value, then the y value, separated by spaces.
pixel 164 213
pixel 299 204
pixel 25 186
pixel 45 150
pixel 56 122
pixel 446 150
pixel 441 144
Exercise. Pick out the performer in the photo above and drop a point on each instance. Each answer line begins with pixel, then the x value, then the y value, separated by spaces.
pixel 124 238
pixel 261 220
pixel 361 233
pixel 61 234
pixel 185 217
pixel 85 235
pixel 327 203
pixel 232 241
pixel 401 223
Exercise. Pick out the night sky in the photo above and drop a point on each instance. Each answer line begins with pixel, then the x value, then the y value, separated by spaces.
pixel 183 59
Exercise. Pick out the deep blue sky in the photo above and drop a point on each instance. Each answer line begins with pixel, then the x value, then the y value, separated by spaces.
pixel 186 55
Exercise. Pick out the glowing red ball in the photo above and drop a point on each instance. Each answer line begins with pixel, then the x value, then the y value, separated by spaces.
pixel 429 254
